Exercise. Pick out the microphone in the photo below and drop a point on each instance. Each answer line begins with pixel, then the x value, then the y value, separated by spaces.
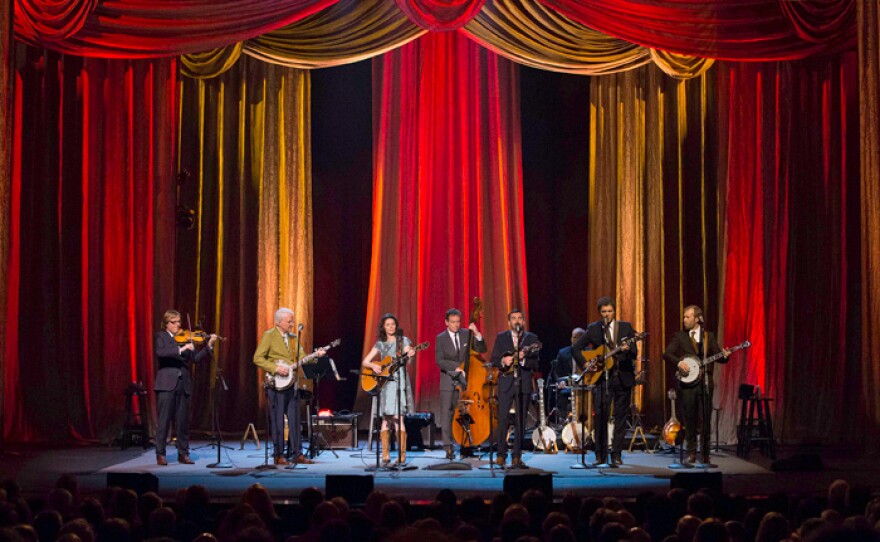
pixel 518 327
pixel 604 321
pixel 399 332
pixel 300 327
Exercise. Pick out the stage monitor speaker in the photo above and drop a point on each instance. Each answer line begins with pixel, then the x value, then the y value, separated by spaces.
pixel 354 488
pixel 694 481
pixel 340 432
pixel 140 482
pixel 517 484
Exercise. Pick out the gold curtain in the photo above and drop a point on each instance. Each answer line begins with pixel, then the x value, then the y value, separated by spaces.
pixel 246 137
pixel 649 161
pixel 523 31
pixel 868 17
pixel 348 31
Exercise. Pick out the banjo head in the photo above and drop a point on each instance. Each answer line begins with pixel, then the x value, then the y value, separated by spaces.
pixel 693 364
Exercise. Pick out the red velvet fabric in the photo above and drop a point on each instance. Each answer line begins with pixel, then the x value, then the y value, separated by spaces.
pixel 440 15
pixel 152 28
pixel 724 29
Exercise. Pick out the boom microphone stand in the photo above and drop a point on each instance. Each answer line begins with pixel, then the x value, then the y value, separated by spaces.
pixel 706 405
pixel 216 423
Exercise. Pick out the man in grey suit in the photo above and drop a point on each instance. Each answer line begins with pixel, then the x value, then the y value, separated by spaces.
pixel 173 385
pixel 451 350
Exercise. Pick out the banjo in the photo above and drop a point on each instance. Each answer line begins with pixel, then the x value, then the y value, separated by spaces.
pixel 543 437
pixel 281 383
pixel 695 365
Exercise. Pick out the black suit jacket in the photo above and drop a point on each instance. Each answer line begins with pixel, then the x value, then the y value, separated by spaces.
pixel 624 362
pixel 504 343
pixel 681 346
pixel 448 359
pixel 171 365
pixel 564 361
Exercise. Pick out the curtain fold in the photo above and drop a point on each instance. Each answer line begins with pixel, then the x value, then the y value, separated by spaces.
pixel 447 193
pixel 245 136
pixel 651 173
pixel 792 198
pixel 869 197
pixel 139 29
pixel 751 30
pixel 440 15
pixel 88 173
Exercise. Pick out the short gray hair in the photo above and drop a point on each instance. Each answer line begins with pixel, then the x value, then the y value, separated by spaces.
pixel 279 314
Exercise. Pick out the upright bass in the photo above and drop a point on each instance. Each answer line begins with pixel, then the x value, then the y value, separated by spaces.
pixel 470 424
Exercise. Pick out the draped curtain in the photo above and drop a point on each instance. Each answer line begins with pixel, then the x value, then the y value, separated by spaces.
pixel 652 235
pixel 245 138
pixel 792 287
pixel 869 196
pixel 447 193
pixel 88 208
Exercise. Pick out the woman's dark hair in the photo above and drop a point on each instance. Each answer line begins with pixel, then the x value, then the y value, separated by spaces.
pixel 381 331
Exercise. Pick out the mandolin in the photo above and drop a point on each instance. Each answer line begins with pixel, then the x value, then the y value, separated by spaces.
pixel 673 426
pixel 526 350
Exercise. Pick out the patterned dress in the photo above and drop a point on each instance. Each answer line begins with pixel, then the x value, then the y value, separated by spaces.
pixel 391 392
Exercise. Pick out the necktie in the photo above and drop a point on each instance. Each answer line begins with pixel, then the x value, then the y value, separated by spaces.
pixel 694 340
pixel 608 338
pixel 287 341
pixel 455 340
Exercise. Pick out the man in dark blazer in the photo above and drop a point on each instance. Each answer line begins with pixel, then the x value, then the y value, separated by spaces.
pixel 451 351
pixel 691 341
pixel 173 385
pixel 615 385
pixel 565 366
pixel 507 342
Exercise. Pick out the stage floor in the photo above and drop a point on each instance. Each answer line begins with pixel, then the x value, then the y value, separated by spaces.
pixel 37 469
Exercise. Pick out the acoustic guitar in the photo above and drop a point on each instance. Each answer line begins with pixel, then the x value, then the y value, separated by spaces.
pixel 601 359
pixel 371 382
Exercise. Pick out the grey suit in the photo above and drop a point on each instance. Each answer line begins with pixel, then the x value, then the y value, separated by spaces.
pixel 173 387
pixel 448 360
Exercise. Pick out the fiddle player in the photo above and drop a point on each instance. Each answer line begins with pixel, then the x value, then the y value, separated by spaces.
pixel 173 384
pixel 451 352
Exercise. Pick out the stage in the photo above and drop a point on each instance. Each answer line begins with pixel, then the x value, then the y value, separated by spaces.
pixel 37 469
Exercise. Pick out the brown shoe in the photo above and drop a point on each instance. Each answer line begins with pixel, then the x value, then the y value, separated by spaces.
pixel 303 460
pixel 279 460
pixel 692 457
pixel 500 460
pixel 516 462
pixel 160 460
pixel 184 459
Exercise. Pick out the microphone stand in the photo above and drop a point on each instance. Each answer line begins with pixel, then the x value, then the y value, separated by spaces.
pixel 297 405
pixel 216 422
pixel 402 387
pixel 518 420
pixel 269 432
pixel 706 406
pixel 378 423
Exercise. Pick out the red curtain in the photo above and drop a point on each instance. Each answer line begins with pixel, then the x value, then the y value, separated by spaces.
pixel 792 278
pixel 439 15
pixel 154 28
pixel 723 29
pixel 447 192
pixel 91 240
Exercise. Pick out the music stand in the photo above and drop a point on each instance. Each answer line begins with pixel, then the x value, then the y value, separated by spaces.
pixel 315 372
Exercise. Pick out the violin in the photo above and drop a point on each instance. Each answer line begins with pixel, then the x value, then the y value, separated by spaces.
pixel 197 337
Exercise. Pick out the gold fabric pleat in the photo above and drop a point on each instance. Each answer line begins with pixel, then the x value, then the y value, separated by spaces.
pixel 245 136
pixel 868 16
pixel 647 169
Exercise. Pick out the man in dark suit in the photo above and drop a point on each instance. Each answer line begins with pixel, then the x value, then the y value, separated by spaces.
pixel 615 385
pixel 565 366
pixel 451 352
pixel 507 342
pixel 173 385
pixel 691 341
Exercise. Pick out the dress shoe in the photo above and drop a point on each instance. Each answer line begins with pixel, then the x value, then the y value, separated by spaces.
pixel 500 460
pixel 705 460
pixel 616 459
pixel 303 460
pixel 692 457
pixel 279 460
pixel 450 453
pixel 516 462
pixel 184 459
pixel 160 460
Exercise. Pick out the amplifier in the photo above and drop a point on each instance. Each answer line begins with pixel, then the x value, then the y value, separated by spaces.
pixel 340 432
pixel 416 423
